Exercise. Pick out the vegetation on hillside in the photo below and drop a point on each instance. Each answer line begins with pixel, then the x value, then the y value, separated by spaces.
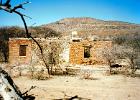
pixel 15 31
pixel 92 26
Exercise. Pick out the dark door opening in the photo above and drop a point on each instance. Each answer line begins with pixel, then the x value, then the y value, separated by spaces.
pixel 87 52
pixel 22 50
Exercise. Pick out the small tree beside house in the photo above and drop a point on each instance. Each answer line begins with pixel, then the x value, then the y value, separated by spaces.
pixel 108 55
pixel 118 52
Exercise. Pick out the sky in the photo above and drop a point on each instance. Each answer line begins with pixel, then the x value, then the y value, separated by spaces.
pixel 47 11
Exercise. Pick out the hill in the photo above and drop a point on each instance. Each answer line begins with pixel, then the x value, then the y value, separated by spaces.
pixel 85 26
pixel 91 26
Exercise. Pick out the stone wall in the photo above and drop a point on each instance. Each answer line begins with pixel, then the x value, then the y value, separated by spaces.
pixel 14 51
pixel 77 51
pixel 64 52
pixel 58 47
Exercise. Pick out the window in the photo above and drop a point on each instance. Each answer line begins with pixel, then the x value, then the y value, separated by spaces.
pixel 76 40
pixel 87 52
pixel 22 50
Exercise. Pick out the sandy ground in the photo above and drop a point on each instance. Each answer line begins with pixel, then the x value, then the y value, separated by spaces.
pixel 114 87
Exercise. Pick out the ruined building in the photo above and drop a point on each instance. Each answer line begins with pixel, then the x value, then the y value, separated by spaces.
pixel 74 51
pixel 20 51
pixel 85 51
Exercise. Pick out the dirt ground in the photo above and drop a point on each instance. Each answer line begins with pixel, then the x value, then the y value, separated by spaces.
pixel 116 87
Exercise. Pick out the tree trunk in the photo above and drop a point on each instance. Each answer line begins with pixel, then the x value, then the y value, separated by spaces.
pixel 8 89
pixel 133 66
pixel 110 69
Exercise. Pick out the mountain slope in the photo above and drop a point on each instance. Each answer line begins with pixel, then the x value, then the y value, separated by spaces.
pixel 93 26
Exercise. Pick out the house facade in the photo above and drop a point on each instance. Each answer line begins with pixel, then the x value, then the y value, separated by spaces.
pixel 76 51
pixel 20 51
pixel 86 51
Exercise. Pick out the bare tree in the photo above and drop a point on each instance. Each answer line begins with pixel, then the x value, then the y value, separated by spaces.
pixel 7 7
pixel 130 50
pixel 8 89
pixel 119 52
pixel 107 54
pixel 131 55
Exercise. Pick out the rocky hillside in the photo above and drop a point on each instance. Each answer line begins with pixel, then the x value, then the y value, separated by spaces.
pixel 84 26
pixel 92 26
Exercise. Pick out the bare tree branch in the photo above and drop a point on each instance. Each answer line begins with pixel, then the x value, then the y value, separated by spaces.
pixel 20 6
pixel 7 4
pixel 7 7
pixel 0 2
pixel 32 87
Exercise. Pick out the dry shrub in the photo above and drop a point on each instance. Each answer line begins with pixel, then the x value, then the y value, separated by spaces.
pixel 86 74
pixel 40 75
pixel 72 70
pixel 124 70
pixel 32 71
pixel 1 98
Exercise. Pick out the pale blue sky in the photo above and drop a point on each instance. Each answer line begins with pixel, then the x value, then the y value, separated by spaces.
pixel 46 11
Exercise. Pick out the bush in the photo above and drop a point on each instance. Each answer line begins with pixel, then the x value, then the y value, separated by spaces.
pixel 40 75
pixel 86 74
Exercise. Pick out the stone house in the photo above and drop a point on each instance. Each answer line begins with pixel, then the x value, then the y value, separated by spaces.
pixel 20 51
pixel 85 51
pixel 24 51
pixel 76 51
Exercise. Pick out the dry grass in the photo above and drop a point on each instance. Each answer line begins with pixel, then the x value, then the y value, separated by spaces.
pixel 114 87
